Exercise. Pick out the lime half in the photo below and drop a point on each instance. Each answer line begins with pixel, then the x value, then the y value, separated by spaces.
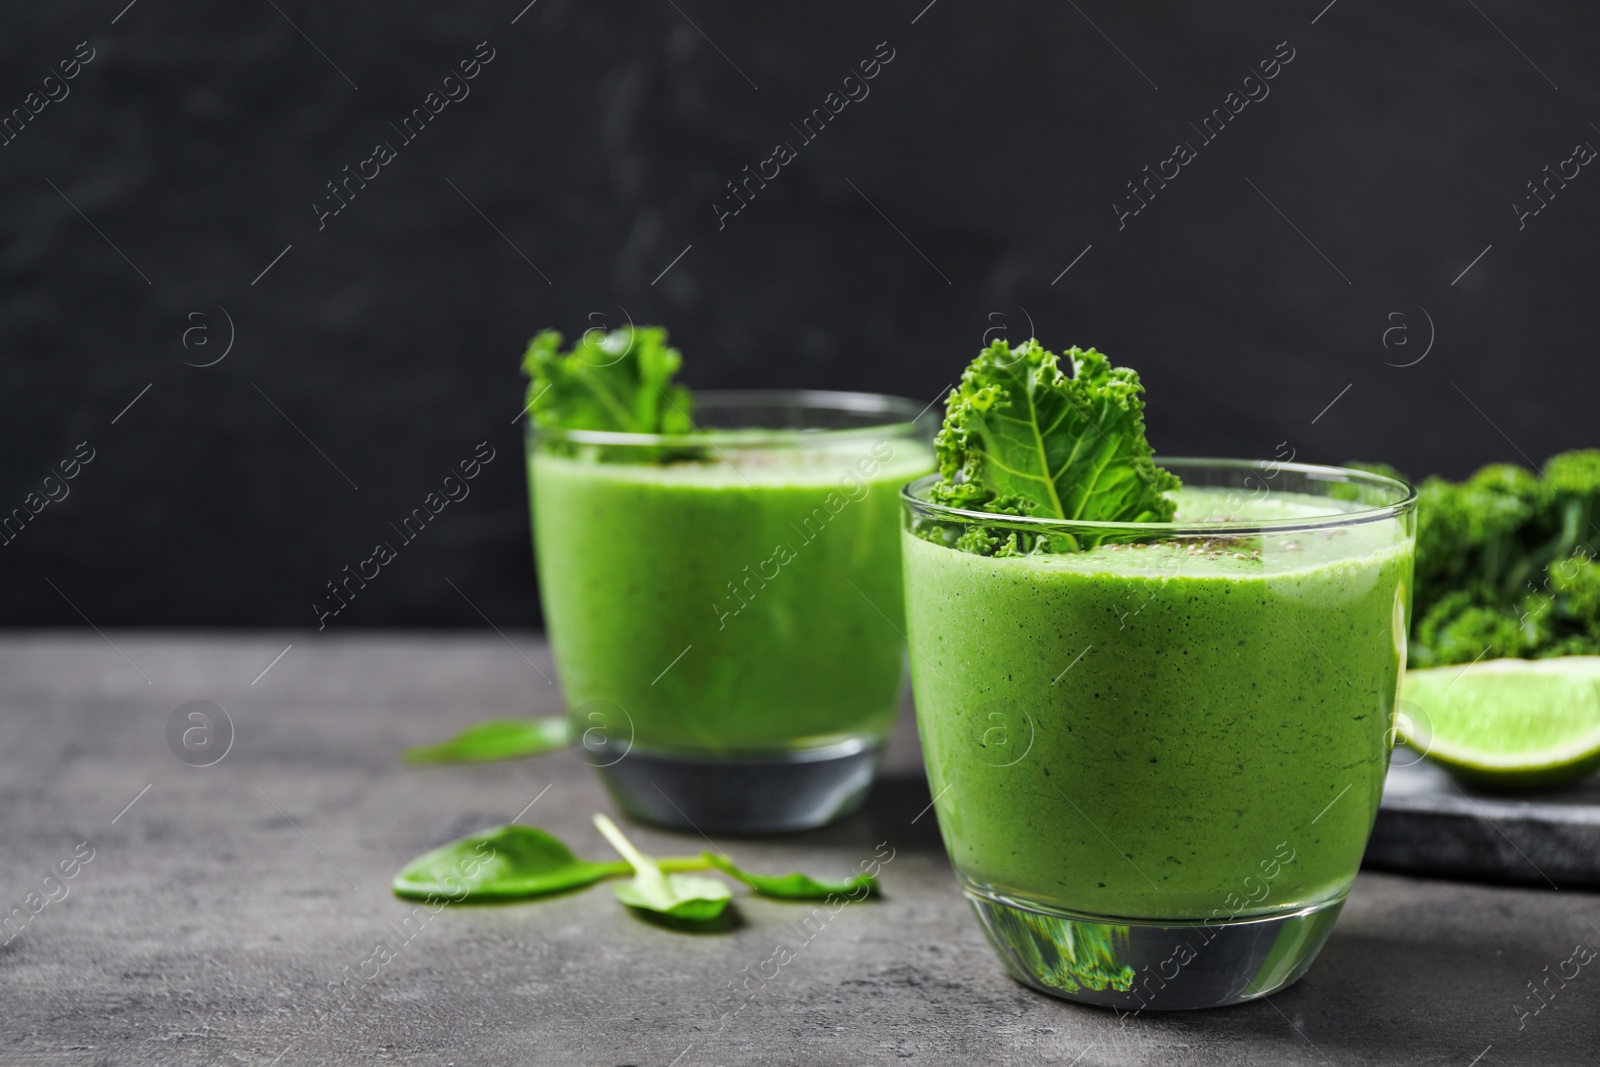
pixel 1507 723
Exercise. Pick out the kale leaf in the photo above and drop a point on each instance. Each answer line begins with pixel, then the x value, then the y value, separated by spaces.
pixel 619 381
pixel 1022 437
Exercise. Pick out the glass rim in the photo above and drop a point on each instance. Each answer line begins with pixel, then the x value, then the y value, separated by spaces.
pixel 901 419
pixel 1346 475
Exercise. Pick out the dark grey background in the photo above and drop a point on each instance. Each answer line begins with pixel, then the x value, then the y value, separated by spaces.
pixel 986 158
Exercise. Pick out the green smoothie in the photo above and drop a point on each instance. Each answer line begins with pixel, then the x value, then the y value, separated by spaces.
pixel 1183 730
pixel 746 605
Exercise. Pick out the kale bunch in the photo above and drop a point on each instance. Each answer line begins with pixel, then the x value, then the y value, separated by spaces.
pixel 1506 563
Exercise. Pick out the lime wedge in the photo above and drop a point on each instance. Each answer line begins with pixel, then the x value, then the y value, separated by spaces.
pixel 1507 723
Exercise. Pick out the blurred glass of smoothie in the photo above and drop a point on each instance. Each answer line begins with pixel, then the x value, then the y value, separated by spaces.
pixel 724 605
pixel 1156 761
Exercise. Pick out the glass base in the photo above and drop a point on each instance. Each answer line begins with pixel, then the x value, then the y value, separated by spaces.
pixel 1151 965
pixel 776 793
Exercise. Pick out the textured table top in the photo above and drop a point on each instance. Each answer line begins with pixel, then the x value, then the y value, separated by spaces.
pixel 222 912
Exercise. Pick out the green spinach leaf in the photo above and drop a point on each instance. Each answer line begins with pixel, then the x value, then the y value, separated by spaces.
pixel 685 897
pixel 503 863
pixel 796 886
pixel 495 739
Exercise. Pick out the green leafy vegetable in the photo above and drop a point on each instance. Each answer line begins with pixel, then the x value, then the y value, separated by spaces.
pixel 1461 627
pixel 508 863
pixel 619 381
pixel 1022 437
pixel 495 739
pixel 685 897
pixel 504 863
pixel 1505 564
pixel 796 886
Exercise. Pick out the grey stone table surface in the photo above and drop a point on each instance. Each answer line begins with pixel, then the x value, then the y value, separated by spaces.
pixel 233 914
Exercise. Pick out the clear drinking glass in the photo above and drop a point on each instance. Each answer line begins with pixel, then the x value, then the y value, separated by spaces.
pixel 724 607
pixel 1156 762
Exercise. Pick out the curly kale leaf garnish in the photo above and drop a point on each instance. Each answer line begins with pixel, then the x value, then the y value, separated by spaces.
pixel 619 381
pixel 1023 437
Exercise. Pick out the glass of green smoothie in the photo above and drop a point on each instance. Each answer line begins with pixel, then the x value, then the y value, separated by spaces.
pixel 1157 748
pixel 724 603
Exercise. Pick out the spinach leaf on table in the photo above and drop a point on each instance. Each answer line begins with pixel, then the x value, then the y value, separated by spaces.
pixel 686 897
pixel 496 739
pixel 796 886
pixel 509 863
pixel 503 863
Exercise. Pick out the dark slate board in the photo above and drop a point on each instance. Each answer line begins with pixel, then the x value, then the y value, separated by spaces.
pixel 1430 824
